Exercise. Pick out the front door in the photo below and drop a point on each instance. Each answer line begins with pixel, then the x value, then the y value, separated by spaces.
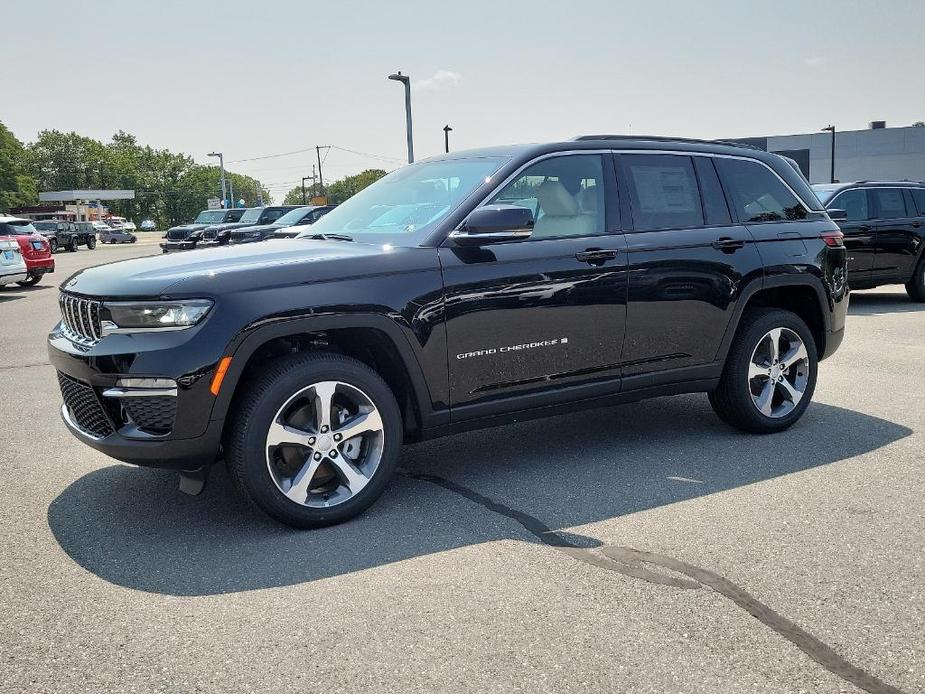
pixel 858 231
pixel 528 317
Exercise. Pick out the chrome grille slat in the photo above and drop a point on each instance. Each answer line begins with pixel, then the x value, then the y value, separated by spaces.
pixel 80 318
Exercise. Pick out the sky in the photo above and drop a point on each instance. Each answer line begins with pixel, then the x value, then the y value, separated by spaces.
pixel 264 78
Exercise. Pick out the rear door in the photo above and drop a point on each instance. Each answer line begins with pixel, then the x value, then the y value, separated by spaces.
pixel 687 260
pixel 858 231
pixel 895 234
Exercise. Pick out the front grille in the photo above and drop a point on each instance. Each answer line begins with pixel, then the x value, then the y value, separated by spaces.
pixel 81 317
pixel 84 407
pixel 177 234
pixel 152 415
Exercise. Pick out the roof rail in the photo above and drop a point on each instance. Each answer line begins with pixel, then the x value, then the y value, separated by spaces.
pixel 662 138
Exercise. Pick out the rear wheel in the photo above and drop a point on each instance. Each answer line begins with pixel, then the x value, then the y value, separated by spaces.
pixel 30 280
pixel 71 245
pixel 916 286
pixel 315 439
pixel 770 373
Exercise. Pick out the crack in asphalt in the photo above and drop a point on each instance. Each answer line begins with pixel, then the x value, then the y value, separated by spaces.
pixel 638 564
pixel 24 366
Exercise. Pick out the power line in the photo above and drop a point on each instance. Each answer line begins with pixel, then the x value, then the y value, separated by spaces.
pixel 381 157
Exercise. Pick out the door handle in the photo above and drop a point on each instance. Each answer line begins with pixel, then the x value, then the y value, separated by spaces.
pixel 916 224
pixel 596 256
pixel 864 227
pixel 727 244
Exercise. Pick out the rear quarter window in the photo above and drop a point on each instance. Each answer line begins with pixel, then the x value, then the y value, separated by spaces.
pixel 757 194
pixel 918 196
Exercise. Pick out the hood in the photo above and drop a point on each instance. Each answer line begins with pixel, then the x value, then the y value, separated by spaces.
pixel 219 228
pixel 226 269
pixel 262 229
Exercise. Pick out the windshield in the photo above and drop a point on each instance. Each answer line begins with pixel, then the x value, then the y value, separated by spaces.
pixel 407 200
pixel 293 216
pixel 252 215
pixel 47 226
pixel 210 217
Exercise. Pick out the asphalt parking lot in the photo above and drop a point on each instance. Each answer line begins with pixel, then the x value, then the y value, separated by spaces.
pixel 787 563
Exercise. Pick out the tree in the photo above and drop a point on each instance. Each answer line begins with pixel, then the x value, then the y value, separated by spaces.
pixel 340 190
pixel 16 186
pixel 919 124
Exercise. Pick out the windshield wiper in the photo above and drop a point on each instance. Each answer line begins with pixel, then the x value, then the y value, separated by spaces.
pixel 330 237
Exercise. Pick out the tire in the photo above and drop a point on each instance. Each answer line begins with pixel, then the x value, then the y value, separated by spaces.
pixel 286 391
pixel 53 244
pixel 738 396
pixel 91 242
pixel 30 281
pixel 131 240
pixel 71 245
pixel 915 287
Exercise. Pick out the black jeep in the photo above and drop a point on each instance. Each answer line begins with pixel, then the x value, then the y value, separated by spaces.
pixel 185 237
pixel 65 234
pixel 463 291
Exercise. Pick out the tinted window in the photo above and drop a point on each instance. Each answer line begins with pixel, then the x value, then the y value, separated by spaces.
pixel 714 202
pixel 918 194
pixel 890 202
pixel 663 191
pixel 565 194
pixel 757 194
pixel 854 202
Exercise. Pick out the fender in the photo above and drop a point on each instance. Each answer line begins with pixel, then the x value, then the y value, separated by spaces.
pixel 252 337
pixel 771 282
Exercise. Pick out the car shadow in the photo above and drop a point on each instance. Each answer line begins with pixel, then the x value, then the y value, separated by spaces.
pixel 131 526
pixel 877 303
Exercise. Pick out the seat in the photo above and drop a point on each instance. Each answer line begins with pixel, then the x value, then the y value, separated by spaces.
pixel 560 213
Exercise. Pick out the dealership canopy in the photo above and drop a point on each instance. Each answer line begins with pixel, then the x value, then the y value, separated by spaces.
pixel 71 195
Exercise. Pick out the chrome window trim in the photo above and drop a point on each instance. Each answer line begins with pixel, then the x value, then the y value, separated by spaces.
pixel 714 155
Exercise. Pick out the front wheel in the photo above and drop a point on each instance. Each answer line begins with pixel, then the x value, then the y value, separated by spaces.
pixel 91 242
pixel 53 245
pixel 770 373
pixel 314 440
pixel 915 287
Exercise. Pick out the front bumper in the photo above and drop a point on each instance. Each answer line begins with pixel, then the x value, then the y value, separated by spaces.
pixel 172 430
pixel 172 246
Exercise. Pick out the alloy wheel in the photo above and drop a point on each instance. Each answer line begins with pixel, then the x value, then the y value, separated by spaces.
pixel 325 444
pixel 778 372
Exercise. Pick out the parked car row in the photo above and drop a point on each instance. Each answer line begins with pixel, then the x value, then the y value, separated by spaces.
pixel 242 225
pixel 25 254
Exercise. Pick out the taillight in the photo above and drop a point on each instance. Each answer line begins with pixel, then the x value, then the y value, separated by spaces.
pixel 833 239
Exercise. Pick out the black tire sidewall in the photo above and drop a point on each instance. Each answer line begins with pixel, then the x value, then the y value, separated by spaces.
pixel 735 378
pixel 247 452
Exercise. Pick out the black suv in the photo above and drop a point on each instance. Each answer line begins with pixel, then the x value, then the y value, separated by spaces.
pixel 460 292
pixel 185 237
pixel 253 216
pixel 68 235
pixel 884 227
pixel 289 225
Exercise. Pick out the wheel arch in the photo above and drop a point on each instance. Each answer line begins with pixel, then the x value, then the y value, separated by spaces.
pixel 803 295
pixel 374 340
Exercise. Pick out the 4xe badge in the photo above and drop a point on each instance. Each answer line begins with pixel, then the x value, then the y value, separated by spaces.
pixel 512 348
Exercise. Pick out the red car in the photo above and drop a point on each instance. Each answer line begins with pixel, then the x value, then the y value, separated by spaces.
pixel 34 248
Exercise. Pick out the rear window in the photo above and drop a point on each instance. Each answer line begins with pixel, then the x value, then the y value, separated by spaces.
pixel 890 203
pixel 663 191
pixel 918 195
pixel 16 229
pixel 757 194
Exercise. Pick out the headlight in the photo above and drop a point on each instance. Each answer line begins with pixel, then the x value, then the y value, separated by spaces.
pixel 136 316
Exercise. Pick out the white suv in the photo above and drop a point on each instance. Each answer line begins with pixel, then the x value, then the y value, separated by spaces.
pixel 12 265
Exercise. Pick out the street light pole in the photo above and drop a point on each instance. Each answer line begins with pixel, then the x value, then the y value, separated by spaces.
pixel 221 165
pixel 406 80
pixel 831 129
pixel 446 137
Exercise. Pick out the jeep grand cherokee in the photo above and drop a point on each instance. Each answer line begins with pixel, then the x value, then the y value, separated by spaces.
pixel 460 292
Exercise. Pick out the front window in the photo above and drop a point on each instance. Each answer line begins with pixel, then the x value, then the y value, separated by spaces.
pixel 407 201
pixel 854 203
pixel 210 217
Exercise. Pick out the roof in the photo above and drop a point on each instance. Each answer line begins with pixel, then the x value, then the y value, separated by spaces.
pixel 871 184
pixel 6 220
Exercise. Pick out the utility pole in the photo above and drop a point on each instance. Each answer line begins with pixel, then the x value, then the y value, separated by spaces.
pixel 308 178
pixel 320 175
pixel 231 191
pixel 406 80
pixel 221 164
pixel 831 128
pixel 446 137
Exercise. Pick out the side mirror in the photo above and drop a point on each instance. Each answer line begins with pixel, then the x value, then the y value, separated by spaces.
pixel 840 215
pixel 494 224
